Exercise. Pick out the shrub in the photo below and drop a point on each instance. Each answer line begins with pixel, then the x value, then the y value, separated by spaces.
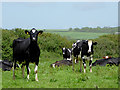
pixel 107 45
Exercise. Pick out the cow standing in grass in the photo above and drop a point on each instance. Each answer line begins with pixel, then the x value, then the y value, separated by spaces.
pixel 83 49
pixel 26 51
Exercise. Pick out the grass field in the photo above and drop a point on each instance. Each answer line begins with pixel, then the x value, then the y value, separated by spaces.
pixel 62 77
pixel 76 35
pixel 80 35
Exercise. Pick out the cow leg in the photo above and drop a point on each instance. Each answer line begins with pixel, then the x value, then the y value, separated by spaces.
pixel 90 63
pixel 36 67
pixel 79 57
pixel 14 67
pixel 28 70
pixel 84 64
pixel 23 70
pixel 73 62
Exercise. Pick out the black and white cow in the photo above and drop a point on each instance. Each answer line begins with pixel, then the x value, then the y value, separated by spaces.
pixel 83 49
pixel 61 63
pixel 26 51
pixel 67 53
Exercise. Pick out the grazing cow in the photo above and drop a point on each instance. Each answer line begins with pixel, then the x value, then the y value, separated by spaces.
pixel 26 51
pixel 83 49
pixel 67 53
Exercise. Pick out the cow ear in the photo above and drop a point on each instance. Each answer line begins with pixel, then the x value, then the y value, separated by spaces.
pixel 27 32
pixel 40 32
pixel 95 43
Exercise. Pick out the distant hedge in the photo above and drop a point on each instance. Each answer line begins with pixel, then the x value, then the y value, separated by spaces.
pixel 107 44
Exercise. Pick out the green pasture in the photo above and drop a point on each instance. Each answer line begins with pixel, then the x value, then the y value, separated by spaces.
pixel 62 77
pixel 56 30
pixel 80 35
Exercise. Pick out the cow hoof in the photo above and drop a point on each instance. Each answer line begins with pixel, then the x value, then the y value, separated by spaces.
pixel 36 79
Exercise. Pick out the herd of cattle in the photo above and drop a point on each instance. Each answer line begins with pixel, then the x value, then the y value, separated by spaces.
pixel 81 50
pixel 27 50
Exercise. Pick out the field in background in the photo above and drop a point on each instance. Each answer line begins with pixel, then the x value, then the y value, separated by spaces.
pixel 79 34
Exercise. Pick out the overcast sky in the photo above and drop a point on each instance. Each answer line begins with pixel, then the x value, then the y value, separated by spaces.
pixel 59 15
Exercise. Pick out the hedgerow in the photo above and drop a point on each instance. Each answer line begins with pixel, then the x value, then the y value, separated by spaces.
pixel 107 44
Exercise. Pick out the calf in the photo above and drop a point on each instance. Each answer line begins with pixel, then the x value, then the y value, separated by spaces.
pixel 67 53
pixel 26 51
pixel 83 49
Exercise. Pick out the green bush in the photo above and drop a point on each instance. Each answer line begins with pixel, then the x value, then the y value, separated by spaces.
pixel 53 42
pixel 107 45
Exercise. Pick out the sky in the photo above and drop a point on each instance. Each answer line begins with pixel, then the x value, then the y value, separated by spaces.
pixel 59 15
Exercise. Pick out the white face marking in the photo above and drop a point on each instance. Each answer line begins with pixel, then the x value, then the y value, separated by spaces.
pixel 74 45
pixel 64 50
pixel 90 45
pixel 33 38
pixel 33 31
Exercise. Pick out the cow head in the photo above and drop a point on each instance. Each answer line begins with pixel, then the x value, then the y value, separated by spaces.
pixel 33 34
pixel 77 45
pixel 90 44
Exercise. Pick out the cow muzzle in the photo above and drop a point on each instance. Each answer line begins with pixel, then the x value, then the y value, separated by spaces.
pixel 89 52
